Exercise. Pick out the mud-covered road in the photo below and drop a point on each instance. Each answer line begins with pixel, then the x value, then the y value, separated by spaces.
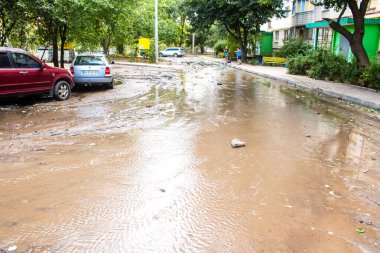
pixel 148 167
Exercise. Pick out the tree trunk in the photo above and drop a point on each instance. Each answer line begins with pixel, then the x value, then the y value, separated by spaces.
pixel 182 36
pixel 355 39
pixel 359 52
pixel 63 41
pixel 55 47
pixel 241 39
pixel 245 42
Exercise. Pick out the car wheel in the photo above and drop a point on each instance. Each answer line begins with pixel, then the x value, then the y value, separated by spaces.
pixel 62 90
pixel 110 85
pixel 175 55
pixel 161 55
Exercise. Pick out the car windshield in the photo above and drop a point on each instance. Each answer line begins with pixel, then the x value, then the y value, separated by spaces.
pixel 89 60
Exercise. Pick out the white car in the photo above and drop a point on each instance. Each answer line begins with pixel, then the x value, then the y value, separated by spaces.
pixel 92 69
pixel 173 51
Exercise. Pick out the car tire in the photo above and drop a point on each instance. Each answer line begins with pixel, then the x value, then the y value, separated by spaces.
pixel 110 85
pixel 62 90
pixel 175 55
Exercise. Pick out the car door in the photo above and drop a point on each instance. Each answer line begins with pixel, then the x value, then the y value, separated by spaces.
pixel 7 75
pixel 29 74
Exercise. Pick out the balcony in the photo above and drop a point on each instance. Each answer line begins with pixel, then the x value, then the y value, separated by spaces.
pixel 302 18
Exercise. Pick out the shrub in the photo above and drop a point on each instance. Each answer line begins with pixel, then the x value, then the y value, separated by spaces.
pixel 327 65
pixel 293 47
pixel 371 76
pixel 220 45
pixel 323 64
pixel 352 72
pixel 298 65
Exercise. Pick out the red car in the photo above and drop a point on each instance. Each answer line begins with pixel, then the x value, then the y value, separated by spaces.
pixel 21 73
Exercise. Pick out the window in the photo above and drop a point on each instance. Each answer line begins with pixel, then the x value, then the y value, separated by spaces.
pixel 276 36
pixel 372 5
pixel 294 5
pixel 25 61
pixel 286 35
pixel 89 60
pixel 4 61
pixel 303 5
pixel 286 12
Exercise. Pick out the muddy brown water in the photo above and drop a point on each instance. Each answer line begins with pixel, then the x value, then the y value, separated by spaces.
pixel 148 167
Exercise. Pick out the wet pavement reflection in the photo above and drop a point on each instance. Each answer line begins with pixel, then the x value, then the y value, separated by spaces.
pixel 148 167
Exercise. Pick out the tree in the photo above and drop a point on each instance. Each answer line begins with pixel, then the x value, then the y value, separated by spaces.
pixel 240 18
pixel 358 10
pixel 10 13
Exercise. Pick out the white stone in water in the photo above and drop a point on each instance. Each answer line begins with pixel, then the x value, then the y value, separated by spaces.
pixel 236 143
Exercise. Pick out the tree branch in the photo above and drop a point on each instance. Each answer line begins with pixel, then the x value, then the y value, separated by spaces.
pixel 364 6
pixel 230 32
pixel 340 29
pixel 342 12
pixel 352 4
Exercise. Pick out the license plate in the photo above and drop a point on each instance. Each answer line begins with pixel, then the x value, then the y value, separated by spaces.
pixel 90 72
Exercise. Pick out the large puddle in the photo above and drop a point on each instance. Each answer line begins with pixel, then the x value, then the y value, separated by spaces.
pixel 148 167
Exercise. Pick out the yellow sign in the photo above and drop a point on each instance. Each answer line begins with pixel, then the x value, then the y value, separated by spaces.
pixel 144 43
pixel 68 45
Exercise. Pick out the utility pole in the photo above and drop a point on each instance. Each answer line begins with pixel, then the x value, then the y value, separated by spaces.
pixel 156 27
pixel 193 42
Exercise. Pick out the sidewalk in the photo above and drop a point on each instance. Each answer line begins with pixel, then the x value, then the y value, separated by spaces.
pixel 355 94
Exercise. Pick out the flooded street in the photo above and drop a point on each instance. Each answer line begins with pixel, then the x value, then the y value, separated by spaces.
pixel 148 167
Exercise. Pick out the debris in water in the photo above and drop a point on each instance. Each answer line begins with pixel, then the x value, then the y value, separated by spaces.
pixel 38 149
pixel 330 233
pixel 365 171
pixel 12 248
pixel 334 194
pixel 236 143
pixel 219 84
pixel 162 190
pixel 360 230
pixel 373 158
pixel 288 206
pixel 308 135
pixel 3 250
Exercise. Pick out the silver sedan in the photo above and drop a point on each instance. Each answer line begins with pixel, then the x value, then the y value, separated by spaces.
pixel 92 69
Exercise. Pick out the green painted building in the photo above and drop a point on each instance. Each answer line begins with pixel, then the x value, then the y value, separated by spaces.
pixel 263 44
pixel 340 45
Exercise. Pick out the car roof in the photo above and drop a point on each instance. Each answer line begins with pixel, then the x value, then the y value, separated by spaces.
pixel 90 54
pixel 12 49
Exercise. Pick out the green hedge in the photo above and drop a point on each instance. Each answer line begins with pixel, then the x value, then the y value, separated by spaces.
pixel 371 77
pixel 325 65
pixel 294 47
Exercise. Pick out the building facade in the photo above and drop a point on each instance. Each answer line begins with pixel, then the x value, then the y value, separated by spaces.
pixel 305 20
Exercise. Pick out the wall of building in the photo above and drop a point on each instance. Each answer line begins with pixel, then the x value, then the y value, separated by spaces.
pixel 371 42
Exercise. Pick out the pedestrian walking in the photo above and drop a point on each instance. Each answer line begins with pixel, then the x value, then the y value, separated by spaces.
pixel 226 54
pixel 238 56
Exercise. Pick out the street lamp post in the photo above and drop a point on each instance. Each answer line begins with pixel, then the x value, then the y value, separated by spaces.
pixel 156 27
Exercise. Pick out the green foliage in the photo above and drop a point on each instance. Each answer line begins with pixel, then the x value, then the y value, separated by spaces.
pixel 371 76
pixel 326 65
pixel 220 45
pixel 239 18
pixel 293 47
pixel 323 64
pixel 298 65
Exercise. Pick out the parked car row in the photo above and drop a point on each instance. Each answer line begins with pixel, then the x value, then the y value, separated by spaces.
pixel 22 73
